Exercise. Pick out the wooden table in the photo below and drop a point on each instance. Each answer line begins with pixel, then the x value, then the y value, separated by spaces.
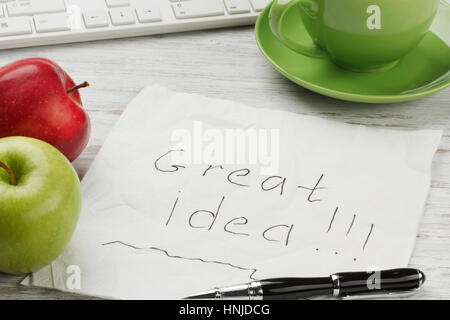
pixel 227 64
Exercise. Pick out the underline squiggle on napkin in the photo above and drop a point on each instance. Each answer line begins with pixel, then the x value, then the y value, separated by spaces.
pixel 251 276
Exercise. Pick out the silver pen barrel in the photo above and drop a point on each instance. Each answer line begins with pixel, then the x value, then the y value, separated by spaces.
pixel 247 291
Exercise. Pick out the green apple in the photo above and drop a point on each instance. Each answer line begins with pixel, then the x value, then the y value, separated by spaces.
pixel 40 202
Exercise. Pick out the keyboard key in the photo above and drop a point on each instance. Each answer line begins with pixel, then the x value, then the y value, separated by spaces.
pixel 95 19
pixel 198 9
pixel 15 26
pixel 117 3
pixel 31 7
pixel 237 6
pixel 51 22
pixel 121 16
pixel 259 5
pixel 148 14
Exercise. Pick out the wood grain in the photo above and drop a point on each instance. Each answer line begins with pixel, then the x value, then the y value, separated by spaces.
pixel 227 64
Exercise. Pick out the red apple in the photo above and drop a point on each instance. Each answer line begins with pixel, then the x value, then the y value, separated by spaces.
pixel 38 99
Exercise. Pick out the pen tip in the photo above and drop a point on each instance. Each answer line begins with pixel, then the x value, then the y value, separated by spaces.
pixel 203 295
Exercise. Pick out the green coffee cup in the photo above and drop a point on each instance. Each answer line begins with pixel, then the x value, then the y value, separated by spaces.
pixel 358 35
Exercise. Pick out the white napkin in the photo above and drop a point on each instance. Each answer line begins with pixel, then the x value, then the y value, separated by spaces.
pixel 256 193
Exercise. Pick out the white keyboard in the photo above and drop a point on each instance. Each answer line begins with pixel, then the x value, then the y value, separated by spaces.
pixel 25 23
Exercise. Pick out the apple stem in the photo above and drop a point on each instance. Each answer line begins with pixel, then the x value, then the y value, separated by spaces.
pixel 10 172
pixel 81 85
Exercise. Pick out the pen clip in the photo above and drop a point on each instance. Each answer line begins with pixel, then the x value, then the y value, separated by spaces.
pixel 382 295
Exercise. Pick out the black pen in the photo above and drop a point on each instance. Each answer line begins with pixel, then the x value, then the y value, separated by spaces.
pixel 345 284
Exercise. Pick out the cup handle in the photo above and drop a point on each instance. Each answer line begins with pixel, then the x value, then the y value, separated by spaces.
pixel 276 15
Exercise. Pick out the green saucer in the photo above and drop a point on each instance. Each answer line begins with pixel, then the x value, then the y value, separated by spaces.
pixel 423 71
